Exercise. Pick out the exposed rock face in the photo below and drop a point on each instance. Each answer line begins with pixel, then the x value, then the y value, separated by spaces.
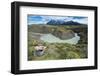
pixel 63 33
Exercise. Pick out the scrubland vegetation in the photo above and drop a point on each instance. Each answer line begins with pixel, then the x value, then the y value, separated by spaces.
pixel 56 51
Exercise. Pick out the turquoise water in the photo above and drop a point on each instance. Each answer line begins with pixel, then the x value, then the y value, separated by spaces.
pixel 52 39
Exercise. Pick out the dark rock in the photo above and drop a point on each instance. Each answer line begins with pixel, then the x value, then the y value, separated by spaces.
pixel 63 33
pixel 60 22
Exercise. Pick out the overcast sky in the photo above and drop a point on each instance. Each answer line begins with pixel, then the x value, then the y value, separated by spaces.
pixel 39 19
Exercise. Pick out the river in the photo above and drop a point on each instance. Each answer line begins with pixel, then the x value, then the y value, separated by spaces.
pixel 53 39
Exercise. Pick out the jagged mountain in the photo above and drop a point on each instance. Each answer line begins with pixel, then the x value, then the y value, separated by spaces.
pixel 60 22
pixel 71 23
pixel 55 22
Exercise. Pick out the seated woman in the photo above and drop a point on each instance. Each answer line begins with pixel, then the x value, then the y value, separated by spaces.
pixel 39 50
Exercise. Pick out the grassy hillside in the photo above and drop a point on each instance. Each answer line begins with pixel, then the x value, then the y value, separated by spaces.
pixel 56 51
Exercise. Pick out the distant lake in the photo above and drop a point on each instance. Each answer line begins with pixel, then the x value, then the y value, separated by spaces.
pixel 53 39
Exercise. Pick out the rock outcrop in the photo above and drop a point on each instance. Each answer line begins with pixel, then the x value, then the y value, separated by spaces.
pixel 63 33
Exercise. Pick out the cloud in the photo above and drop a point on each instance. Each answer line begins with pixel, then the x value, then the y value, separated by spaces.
pixel 82 20
pixel 37 19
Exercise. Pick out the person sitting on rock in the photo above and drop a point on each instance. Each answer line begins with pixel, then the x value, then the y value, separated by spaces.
pixel 39 50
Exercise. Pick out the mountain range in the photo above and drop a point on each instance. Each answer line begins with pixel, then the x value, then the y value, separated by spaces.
pixel 61 22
